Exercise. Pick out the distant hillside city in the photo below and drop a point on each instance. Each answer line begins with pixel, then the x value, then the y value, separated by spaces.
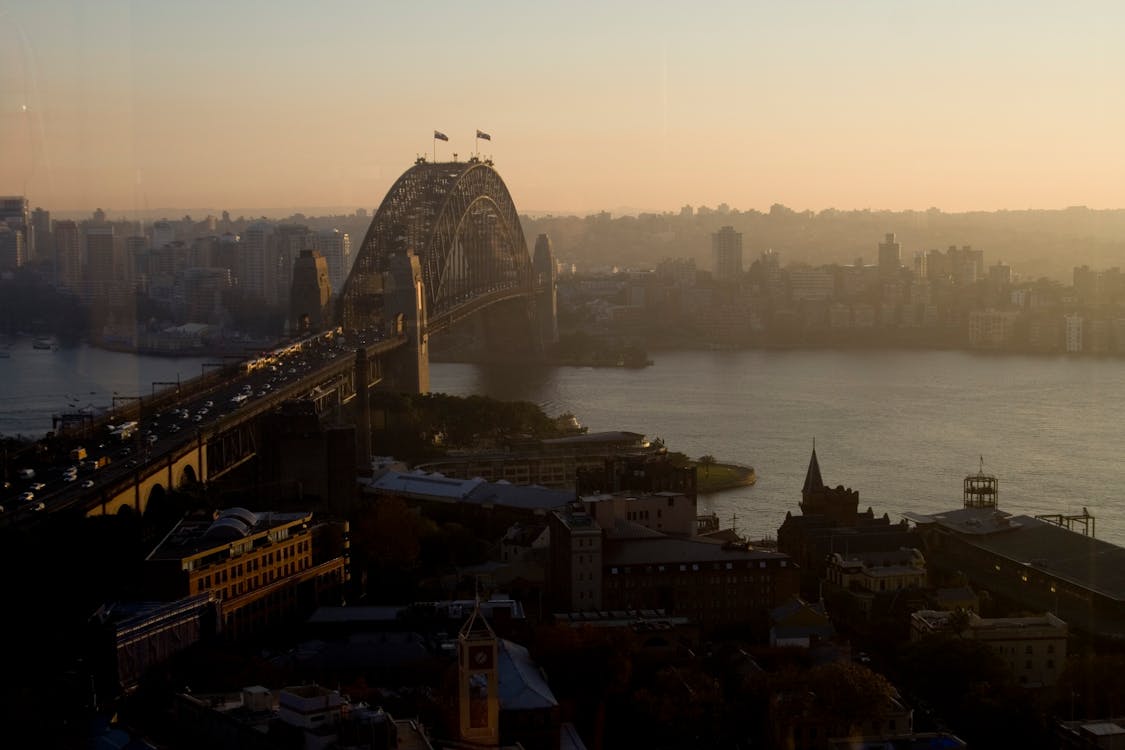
pixel 1028 281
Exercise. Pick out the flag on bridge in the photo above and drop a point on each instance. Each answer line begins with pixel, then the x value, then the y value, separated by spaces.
pixel 438 135
pixel 483 135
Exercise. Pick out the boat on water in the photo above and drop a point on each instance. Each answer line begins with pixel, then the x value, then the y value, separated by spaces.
pixel 43 342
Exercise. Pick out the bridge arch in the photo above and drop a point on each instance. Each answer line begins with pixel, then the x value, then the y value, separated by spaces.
pixel 158 503
pixel 460 221
pixel 187 476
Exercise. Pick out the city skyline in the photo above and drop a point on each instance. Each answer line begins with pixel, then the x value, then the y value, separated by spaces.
pixel 136 107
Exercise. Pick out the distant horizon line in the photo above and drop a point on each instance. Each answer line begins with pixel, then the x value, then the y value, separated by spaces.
pixel 176 214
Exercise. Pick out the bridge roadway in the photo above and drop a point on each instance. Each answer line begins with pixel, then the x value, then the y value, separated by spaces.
pixel 200 437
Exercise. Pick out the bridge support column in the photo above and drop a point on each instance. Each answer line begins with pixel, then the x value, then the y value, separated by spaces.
pixel 404 304
pixel 363 407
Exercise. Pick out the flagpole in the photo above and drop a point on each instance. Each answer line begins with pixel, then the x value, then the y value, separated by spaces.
pixel 435 147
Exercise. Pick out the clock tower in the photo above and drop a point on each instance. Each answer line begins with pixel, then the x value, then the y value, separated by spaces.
pixel 478 682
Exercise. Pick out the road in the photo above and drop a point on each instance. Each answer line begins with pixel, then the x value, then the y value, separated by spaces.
pixel 61 484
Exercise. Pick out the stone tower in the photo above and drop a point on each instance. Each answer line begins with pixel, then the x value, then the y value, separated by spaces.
pixel 546 282
pixel 310 294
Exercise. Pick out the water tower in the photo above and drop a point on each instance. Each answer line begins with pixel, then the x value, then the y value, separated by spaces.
pixel 981 490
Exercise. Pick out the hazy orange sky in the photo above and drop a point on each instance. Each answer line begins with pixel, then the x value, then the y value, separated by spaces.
pixel 591 105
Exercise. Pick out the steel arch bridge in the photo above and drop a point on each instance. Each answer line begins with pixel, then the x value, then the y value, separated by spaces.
pixel 461 222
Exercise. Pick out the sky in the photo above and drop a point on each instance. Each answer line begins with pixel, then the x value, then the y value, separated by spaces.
pixel 231 104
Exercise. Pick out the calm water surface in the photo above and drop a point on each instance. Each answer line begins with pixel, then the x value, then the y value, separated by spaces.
pixel 902 428
pixel 38 383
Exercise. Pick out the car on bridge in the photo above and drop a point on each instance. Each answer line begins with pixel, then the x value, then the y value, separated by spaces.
pixel 27 497
pixel 88 484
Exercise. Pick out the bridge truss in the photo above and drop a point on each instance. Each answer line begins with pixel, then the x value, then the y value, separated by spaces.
pixel 461 222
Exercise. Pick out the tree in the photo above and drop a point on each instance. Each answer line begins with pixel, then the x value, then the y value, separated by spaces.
pixel 707 461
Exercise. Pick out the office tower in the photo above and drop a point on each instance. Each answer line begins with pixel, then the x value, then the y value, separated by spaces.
pixel 336 247
pixel 14 214
pixel 726 254
pixel 12 252
pixel 890 256
pixel 290 241
pixel 257 255
pixel 163 233
pixel 68 255
pixel 921 266
pixel 204 252
pixel 41 230
pixel 201 294
pixel 136 261
pixel 101 256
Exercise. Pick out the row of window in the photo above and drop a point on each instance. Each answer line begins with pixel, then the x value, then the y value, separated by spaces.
pixel 249 583
pixel 694 567
pixel 747 583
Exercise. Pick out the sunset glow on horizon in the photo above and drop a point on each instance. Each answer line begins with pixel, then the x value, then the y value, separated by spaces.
pixel 134 106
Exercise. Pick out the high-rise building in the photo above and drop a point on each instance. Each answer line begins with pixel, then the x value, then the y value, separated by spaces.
pixel 41 231
pixel 336 247
pixel 12 251
pixel 15 215
pixel 101 255
pixel 291 240
pixel 726 254
pixel 163 233
pixel 890 256
pixel 136 261
pixel 68 255
pixel 921 266
pixel 257 256
pixel 200 293
pixel 1000 275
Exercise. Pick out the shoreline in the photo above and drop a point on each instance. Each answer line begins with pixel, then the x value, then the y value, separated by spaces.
pixel 719 477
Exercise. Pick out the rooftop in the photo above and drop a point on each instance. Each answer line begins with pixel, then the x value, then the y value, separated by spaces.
pixel 436 486
pixel 673 550
pixel 195 534
pixel 522 684
pixel 1024 540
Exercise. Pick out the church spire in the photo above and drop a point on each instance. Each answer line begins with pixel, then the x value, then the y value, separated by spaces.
pixel 813 480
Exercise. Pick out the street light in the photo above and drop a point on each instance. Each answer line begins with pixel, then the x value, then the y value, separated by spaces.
pixel 175 382
pixel 116 398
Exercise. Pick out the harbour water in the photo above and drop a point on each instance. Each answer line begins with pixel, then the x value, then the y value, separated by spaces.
pixel 901 427
pixel 38 383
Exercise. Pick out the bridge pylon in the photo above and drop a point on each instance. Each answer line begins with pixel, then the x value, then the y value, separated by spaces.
pixel 407 369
